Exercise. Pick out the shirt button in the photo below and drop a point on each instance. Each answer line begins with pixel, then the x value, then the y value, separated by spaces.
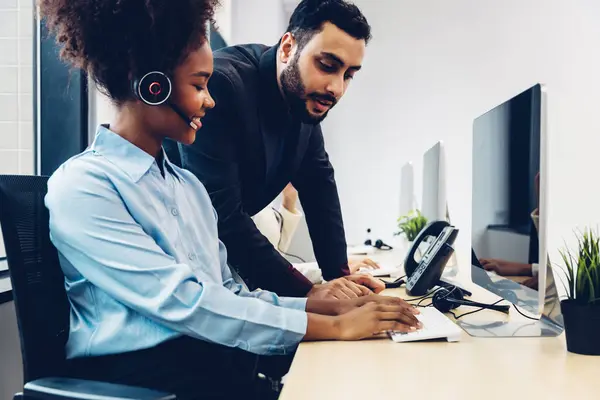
pixel 192 256
pixel 174 211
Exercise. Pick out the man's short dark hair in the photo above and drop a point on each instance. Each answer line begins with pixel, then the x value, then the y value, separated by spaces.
pixel 310 15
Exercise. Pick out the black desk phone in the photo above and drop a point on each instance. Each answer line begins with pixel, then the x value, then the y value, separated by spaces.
pixel 426 273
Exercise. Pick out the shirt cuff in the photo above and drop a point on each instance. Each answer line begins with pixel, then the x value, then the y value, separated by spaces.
pixel 535 267
pixel 296 324
pixel 300 285
pixel 342 271
pixel 294 303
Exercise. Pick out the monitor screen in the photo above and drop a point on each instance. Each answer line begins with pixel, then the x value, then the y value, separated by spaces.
pixel 506 159
pixel 434 203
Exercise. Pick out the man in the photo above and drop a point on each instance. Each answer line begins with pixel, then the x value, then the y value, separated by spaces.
pixel 264 133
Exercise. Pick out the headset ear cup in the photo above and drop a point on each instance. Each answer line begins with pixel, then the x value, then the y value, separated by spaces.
pixel 440 298
pixel 154 88
pixel 439 302
pixel 381 245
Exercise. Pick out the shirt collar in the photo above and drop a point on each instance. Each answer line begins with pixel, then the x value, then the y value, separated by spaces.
pixel 134 161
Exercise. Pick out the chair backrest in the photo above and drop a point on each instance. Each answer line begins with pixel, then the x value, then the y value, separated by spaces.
pixel 37 280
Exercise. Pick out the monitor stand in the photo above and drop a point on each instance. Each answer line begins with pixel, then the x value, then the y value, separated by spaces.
pixel 543 327
pixel 549 324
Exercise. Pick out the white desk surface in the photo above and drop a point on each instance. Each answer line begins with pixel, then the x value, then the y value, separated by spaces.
pixel 472 369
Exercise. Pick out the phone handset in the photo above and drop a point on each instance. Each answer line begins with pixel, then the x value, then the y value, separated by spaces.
pixel 431 266
pixel 433 228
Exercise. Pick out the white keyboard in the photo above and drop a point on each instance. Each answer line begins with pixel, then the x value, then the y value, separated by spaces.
pixel 435 326
pixel 383 270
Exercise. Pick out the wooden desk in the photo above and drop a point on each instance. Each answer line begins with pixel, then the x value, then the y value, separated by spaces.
pixel 472 369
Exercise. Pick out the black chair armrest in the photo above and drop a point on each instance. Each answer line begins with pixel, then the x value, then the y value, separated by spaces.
pixel 66 388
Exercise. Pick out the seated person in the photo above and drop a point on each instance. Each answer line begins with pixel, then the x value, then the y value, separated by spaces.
pixel 279 227
pixel 510 268
pixel 153 303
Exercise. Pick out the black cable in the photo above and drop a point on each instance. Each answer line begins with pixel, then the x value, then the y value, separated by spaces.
pixel 422 300
pixel 526 316
pixel 2 258
pixel 428 295
pixel 476 311
pixel 279 219
pixel 291 255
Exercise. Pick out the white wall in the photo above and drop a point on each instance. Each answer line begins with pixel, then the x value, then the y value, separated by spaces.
pixel 257 21
pixel 505 245
pixel 223 17
pixel 432 67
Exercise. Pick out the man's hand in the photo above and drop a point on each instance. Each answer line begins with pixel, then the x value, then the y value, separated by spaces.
pixel 290 197
pixel 356 264
pixel 532 282
pixel 505 268
pixel 341 288
pixel 376 285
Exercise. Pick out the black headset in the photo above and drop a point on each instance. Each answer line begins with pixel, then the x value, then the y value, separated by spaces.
pixel 379 244
pixel 445 300
pixel 154 89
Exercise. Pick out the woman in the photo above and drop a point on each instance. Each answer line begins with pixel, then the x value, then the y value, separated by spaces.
pixel 152 300
pixel 279 227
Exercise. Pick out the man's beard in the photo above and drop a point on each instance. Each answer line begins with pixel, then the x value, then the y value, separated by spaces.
pixel 294 91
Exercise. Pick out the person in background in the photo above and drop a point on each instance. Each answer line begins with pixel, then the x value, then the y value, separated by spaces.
pixel 279 227
pixel 152 299
pixel 511 268
pixel 266 132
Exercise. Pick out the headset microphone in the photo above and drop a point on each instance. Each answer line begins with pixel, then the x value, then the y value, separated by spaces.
pixel 177 110
pixel 154 89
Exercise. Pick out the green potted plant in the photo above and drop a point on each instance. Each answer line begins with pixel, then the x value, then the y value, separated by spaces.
pixel 411 224
pixel 581 308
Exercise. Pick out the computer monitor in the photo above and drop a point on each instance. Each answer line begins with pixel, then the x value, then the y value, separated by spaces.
pixel 434 204
pixel 407 189
pixel 508 226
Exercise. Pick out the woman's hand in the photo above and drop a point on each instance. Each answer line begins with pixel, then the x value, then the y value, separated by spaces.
pixel 374 318
pixel 357 264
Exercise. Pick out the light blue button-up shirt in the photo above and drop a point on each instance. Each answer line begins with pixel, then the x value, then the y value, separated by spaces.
pixel 143 263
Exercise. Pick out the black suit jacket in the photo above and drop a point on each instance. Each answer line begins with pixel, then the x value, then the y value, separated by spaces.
pixel 236 147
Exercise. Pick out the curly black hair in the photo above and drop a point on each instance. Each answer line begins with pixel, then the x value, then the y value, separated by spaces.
pixel 117 40
pixel 310 15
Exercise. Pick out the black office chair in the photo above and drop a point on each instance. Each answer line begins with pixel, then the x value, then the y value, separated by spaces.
pixel 40 299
